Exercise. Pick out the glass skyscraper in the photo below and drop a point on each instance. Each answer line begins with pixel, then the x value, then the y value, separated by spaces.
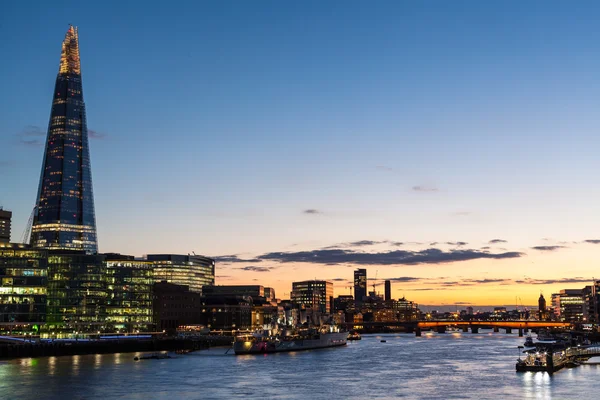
pixel 64 215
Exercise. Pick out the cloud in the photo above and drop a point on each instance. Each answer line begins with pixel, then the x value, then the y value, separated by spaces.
pixel 547 248
pixel 485 248
pixel 405 279
pixel 462 213
pixel 312 211
pixel 384 168
pixel 421 188
pixel 233 258
pixel 339 279
pixel 457 243
pixel 592 241
pixel 363 243
pixel 95 134
pixel 496 241
pixel 254 268
pixel 6 164
pixel 462 303
pixel 396 257
pixel 577 279
pixel 31 135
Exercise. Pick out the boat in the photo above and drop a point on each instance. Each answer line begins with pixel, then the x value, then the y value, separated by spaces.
pixel 303 339
pixel 156 356
pixel 529 342
pixel 544 357
pixel 354 336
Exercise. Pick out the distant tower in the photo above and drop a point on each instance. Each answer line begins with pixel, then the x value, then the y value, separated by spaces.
pixel 388 290
pixel 64 216
pixel 5 219
pixel 360 285
pixel 542 308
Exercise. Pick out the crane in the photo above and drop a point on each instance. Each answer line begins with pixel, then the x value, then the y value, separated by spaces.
pixel 27 233
pixel 375 281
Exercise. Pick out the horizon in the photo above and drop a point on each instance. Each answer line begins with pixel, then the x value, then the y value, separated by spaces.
pixel 439 147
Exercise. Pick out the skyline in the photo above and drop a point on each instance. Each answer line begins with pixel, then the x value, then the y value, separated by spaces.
pixel 269 143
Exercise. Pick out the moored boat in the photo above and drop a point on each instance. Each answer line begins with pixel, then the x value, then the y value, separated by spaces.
pixel 354 336
pixel 308 339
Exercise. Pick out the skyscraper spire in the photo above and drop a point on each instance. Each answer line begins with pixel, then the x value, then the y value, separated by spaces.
pixel 69 58
pixel 64 217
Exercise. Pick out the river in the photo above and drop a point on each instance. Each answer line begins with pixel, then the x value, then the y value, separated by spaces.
pixel 434 366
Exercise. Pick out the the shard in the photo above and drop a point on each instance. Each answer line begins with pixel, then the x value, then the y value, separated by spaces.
pixel 64 216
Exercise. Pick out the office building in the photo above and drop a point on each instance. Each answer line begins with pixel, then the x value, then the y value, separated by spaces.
pixel 23 287
pixel 174 306
pixel 314 294
pixel 568 305
pixel 388 290
pixel 64 216
pixel 5 221
pixel 591 303
pixel 360 285
pixel 76 291
pixel 191 270
pixel 129 297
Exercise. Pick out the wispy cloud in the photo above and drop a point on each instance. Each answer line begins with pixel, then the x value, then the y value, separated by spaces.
pixel 396 257
pixel 547 248
pixel 233 258
pixel 457 243
pixel 592 241
pixel 95 134
pixel 422 188
pixel 531 281
pixel 312 211
pixel 384 168
pixel 254 268
pixel 31 135
pixel 497 241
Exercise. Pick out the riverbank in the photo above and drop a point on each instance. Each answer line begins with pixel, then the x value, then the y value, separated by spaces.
pixel 70 348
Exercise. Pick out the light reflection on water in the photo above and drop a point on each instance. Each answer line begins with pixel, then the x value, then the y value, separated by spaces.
pixel 434 366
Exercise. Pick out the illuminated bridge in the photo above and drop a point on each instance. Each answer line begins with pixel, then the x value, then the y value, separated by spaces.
pixel 441 326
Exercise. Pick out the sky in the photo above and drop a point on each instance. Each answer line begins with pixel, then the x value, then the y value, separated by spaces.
pixel 448 146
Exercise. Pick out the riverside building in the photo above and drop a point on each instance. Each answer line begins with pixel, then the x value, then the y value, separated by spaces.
pixel 317 295
pixel 129 285
pixel 191 270
pixel 23 287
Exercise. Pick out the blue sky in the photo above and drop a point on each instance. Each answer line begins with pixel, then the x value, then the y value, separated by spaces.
pixel 220 123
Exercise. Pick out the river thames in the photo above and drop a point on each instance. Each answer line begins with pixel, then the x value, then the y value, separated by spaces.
pixel 434 366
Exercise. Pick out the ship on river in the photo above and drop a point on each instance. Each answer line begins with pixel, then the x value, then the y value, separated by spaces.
pixel 296 340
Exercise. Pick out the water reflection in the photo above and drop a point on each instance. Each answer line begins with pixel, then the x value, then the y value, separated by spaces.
pixel 51 365
pixel 435 366
pixel 75 365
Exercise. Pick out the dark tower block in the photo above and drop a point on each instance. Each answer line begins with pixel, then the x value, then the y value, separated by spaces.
pixel 64 216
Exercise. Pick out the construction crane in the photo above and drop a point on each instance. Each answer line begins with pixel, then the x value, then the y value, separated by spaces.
pixel 27 233
pixel 375 282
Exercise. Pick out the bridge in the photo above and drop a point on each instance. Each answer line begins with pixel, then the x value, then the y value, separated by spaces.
pixel 440 326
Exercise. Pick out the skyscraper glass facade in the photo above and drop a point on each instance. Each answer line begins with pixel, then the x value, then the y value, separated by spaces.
pixel 360 285
pixel 64 216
